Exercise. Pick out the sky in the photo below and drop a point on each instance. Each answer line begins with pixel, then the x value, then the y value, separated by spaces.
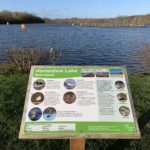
pixel 78 8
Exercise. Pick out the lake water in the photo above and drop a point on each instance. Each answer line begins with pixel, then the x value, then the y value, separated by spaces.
pixel 80 45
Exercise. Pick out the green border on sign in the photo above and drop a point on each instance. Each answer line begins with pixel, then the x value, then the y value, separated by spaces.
pixel 89 127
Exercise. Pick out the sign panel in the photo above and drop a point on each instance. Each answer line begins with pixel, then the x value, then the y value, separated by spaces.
pixel 78 101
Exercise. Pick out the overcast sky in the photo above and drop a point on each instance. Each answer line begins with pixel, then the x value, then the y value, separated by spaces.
pixel 78 8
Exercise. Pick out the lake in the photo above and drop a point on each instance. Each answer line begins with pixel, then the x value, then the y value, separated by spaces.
pixel 80 45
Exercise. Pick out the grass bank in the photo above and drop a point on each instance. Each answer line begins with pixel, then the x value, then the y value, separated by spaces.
pixel 12 96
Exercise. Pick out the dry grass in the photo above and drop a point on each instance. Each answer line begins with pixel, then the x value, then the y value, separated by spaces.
pixel 24 58
pixel 7 67
pixel 21 59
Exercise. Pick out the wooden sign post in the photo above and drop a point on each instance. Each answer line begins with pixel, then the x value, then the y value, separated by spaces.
pixel 77 144
pixel 78 103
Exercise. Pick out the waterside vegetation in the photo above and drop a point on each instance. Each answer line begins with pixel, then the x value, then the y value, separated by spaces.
pixel 20 60
pixel 8 17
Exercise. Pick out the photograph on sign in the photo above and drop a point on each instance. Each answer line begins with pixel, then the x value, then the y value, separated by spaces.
pixel 78 101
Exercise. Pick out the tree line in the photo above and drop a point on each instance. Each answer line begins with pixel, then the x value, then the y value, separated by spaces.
pixel 138 19
pixel 19 17
pixel 24 17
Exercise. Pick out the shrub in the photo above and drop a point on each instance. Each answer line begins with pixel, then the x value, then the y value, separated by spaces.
pixel 24 58
pixel 7 68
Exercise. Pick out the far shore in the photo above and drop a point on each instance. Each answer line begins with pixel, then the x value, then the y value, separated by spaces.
pixel 8 17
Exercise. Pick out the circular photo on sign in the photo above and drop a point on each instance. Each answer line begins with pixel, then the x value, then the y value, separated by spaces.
pixel 122 97
pixel 119 85
pixel 49 113
pixel 69 84
pixel 35 114
pixel 124 111
pixel 39 84
pixel 37 98
pixel 69 97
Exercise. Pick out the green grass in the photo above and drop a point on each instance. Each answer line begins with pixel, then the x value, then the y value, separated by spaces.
pixel 12 96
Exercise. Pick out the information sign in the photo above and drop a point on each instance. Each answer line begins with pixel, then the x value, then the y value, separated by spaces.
pixel 78 102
